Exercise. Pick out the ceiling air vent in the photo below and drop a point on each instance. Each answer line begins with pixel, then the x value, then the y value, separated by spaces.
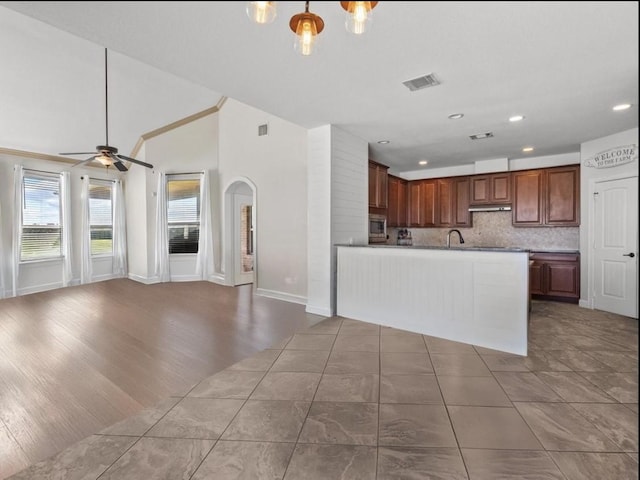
pixel 263 130
pixel 419 83
pixel 480 136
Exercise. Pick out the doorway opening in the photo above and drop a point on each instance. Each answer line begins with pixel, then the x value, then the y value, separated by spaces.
pixel 240 233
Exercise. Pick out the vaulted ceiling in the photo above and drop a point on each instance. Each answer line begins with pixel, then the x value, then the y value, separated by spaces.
pixel 563 65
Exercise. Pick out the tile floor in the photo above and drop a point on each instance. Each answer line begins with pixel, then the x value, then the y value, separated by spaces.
pixel 351 400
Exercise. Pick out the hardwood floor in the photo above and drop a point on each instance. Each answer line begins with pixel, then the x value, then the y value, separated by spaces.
pixel 76 360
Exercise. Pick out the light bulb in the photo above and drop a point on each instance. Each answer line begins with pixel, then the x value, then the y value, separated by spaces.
pixel 358 17
pixel 306 35
pixel 105 160
pixel 261 12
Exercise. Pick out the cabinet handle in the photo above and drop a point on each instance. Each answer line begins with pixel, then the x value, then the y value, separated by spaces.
pixel 629 254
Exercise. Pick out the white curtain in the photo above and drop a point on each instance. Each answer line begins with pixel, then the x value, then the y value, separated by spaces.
pixel 18 174
pixel 204 259
pixel 162 231
pixel 119 231
pixel 65 197
pixel 85 248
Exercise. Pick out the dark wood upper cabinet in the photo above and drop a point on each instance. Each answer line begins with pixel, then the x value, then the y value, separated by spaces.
pixel 429 199
pixel 453 202
pixel 398 202
pixel 491 189
pixel 377 185
pixel 445 202
pixel 415 204
pixel 547 197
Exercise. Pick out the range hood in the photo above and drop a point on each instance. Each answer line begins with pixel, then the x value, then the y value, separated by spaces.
pixel 490 208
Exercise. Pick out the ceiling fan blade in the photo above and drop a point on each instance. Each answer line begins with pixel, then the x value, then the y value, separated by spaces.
pixel 78 153
pixel 120 166
pixel 133 160
pixel 82 162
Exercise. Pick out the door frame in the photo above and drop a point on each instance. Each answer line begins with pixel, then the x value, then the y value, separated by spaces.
pixel 228 241
pixel 591 280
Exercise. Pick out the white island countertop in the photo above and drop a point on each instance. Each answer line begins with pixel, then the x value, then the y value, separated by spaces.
pixel 475 295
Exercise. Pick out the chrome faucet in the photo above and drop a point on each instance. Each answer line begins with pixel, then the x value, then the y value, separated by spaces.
pixel 449 236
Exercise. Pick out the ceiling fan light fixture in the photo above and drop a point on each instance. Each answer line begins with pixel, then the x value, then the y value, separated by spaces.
pixel 306 26
pixel 358 16
pixel 105 160
pixel 261 12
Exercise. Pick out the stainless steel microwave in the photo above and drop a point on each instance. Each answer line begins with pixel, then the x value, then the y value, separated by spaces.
pixel 377 228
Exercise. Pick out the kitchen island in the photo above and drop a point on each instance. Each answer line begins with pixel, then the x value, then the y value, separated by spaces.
pixel 466 294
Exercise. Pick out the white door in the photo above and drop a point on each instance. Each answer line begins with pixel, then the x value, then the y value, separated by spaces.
pixel 616 246
pixel 243 238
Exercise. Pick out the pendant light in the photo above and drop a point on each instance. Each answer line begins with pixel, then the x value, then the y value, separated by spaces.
pixel 306 26
pixel 261 12
pixel 358 16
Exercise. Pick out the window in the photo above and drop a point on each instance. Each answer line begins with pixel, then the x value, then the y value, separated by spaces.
pixel 41 217
pixel 101 217
pixel 183 213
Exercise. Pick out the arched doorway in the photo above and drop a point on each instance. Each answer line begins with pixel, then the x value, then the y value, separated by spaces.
pixel 240 234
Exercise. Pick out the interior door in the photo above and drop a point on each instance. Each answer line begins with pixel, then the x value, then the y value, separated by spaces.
pixel 616 246
pixel 243 238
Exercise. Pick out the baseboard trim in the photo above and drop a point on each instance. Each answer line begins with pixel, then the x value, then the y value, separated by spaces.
pixel 287 297
pixel 585 304
pixel 325 312
pixel 141 279
pixel 185 278
pixel 39 288
pixel 218 279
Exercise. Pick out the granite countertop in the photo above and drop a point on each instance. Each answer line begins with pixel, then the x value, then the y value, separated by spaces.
pixel 440 247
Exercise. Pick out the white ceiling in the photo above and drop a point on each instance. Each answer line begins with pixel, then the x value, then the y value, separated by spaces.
pixel 562 65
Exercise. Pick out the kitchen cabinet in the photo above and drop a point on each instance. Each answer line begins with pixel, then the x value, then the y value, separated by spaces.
pixel 547 197
pixel 398 202
pixel 453 202
pixel 491 189
pixel 378 185
pixel 422 203
pixel 555 276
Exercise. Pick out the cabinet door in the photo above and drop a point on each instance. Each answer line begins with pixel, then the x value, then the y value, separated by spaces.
pixel 500 188
pixel 460 207
pixel 563 196
pixel 536 276
pixel 403 202
pixel 445 202
pixel 415 204
pixel 527 198
pixel 382 187
pixel 394 202
pixel 429 199
pixel 373 182
pixel 480 187
pixel 562 279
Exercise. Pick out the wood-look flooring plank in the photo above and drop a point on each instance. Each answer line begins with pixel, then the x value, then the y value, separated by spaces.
pixel 76 360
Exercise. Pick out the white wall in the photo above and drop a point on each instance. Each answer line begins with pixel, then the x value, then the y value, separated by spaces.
pixel 338 204
pixel 277 165
pixel 45 275
pixel 190 148
pixel 587 176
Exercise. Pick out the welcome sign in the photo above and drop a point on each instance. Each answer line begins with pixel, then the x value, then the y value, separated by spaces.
pixel 613 157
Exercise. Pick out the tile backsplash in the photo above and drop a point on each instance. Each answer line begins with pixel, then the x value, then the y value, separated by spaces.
pixel 494 229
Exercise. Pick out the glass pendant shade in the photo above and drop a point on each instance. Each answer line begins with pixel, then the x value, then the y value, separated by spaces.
pixel 105 160
pixel 261 12
pixel 306 26
pixel 358 16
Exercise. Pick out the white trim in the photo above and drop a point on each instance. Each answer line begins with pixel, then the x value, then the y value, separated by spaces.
pixel 145 280
pixel 585 304
pixel 287 297
pixel 218 279
pixel 185 278
pixel 39 288
pixel 102 278
pixel 323 311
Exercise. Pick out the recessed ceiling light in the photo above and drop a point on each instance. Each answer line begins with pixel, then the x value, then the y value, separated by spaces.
pixel 622 106
pixel 383 142
pixel 456 116
pixel 422 162
pixel 527 149
pixel 516 118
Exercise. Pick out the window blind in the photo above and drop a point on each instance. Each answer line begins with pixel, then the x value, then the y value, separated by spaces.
pixel 41 217
pixel 183 214
pixel 101 217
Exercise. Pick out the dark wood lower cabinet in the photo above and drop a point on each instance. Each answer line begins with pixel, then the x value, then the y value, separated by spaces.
pixel 555 276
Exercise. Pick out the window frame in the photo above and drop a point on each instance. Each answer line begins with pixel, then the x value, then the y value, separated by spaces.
pixel 171 177
pixel 101 183
pixel 49 176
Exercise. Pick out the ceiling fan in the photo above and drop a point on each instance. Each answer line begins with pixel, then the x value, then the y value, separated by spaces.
pixel 107 154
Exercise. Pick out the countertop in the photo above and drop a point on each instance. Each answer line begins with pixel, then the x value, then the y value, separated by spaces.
pixel 460 247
